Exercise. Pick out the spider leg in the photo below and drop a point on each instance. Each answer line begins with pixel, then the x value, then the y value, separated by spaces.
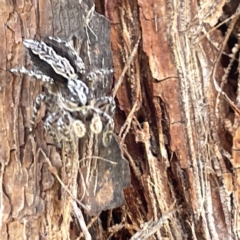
pixel 103 115
pixel 37 74
pixel 49 127
pixel 106 104
pixel 59 64
pixel 107 135
pixel 100 72
pixel 36 107
pixel 70 53
pixel 64 124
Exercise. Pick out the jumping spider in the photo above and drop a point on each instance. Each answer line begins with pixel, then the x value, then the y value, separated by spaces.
pixel 69 99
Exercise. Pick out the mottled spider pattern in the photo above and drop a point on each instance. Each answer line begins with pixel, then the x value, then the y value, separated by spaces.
pixel 68 94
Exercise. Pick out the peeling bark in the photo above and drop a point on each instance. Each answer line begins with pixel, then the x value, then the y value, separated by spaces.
pixel 177 136
pixel 44 190
pixel 177 124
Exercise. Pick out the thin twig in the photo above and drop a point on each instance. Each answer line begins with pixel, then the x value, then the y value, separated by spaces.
pixel 217 87
pixel 81 220
pixel 120 79
pixel 151 227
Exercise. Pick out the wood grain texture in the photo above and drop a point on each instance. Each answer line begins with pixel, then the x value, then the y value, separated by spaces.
pixel 169 123
pixel 38 183
pixel 178 149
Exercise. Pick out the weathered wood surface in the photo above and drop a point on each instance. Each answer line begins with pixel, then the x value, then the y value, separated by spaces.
pixel 39 183
pixel 177 146
pixel 170 121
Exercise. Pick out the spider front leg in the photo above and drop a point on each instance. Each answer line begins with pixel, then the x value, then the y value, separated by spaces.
pixel 49 127
pixel 59 64
pixel 60 45
pixel 106 104
pixel 107 135
pixel 92 76
pixel 36 107
pixel 37 74
pixel 65 130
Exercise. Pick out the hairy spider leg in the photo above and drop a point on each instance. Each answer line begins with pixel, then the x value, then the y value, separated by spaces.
pixel 60 64
pixel 61 45
pixel 106 104
pixel 64 130
pixel 37 74
pixel 49 127
pixel 91 77
pixel 107 135
pixel 36 107
pixel 100 72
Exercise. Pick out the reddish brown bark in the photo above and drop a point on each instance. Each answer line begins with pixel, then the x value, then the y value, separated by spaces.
pixel 171 124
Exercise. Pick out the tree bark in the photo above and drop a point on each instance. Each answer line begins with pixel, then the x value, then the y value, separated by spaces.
pixel 176 123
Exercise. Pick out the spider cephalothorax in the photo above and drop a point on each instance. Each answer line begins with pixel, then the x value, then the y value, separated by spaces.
pixel 69 100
